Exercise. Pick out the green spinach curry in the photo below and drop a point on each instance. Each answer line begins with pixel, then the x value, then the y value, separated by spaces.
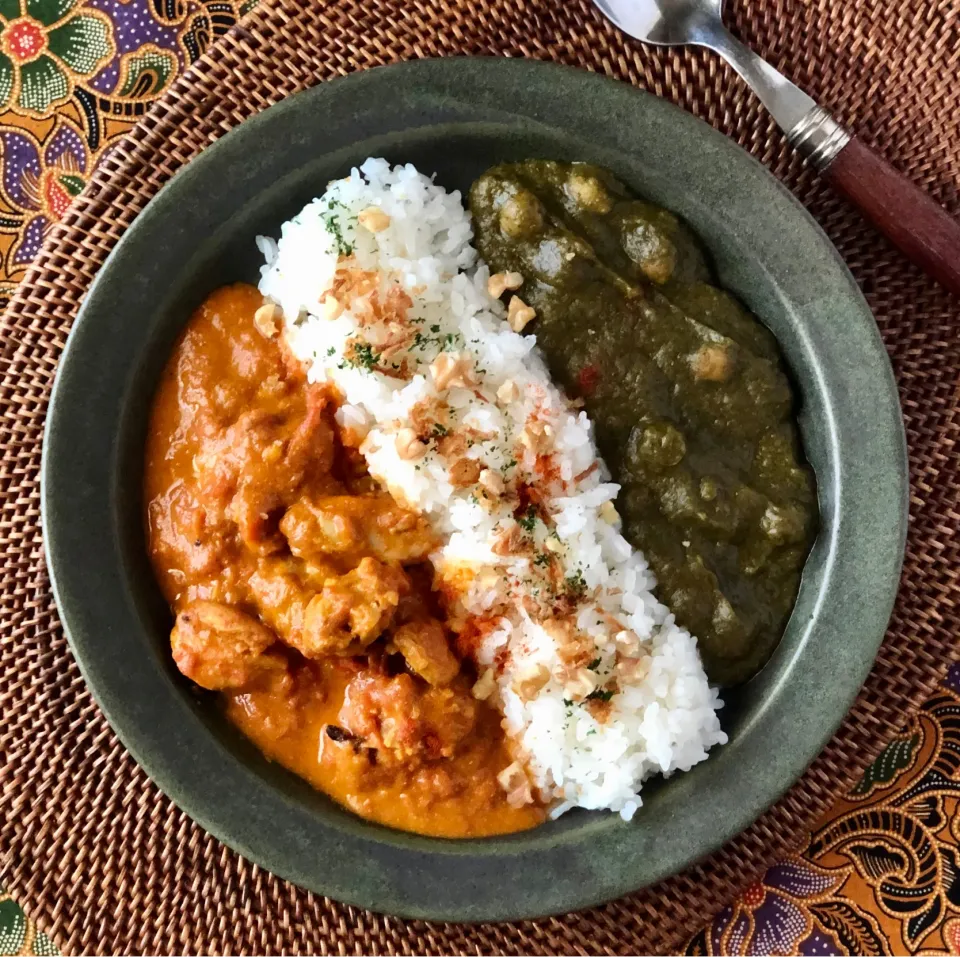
pixel 692 409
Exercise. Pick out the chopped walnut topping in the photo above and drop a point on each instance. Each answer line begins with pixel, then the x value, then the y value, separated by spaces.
pixel 535 436
pixel 514 781
pixel 580 684
pixel 574 649
pixel 267 320
pixel 562 630
pixel 609 513
pixel 452 370
pixel 409 446
pixel 633 669
pixel 443 369
pixel 374 219
pixel 427 414
pixel 500 282
pixel 332 307
pixel 508 392
pixel 529 681
pixel 491 482
pixel 519 314
pixel 484 685
pixel 465 472
pixel 626 641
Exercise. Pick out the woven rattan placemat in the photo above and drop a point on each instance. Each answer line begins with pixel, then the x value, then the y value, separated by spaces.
pixel 96 854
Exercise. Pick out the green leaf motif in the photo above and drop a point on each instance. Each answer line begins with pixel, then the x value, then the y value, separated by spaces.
pixel 145 73
pixel 72 183
pixel 42 83
pixel 82 42
pixel 49 12
pixel 894 758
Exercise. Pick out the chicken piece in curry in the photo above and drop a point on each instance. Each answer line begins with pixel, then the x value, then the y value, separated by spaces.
pixel 302 593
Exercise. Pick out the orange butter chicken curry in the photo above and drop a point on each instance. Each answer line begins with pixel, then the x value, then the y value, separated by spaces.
pixel 302 591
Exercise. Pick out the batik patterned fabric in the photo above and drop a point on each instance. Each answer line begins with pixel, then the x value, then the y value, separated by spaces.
pixel 881 872
pixel 74 76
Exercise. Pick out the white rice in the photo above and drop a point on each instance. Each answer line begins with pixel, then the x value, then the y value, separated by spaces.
pixel 561 603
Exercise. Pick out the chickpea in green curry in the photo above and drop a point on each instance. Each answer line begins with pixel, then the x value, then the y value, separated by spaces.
pixel 692 408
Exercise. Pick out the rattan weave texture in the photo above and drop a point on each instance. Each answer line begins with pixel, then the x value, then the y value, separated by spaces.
pixel 106 863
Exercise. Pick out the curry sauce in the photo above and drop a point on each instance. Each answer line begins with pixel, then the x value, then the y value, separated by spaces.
pixel 302 595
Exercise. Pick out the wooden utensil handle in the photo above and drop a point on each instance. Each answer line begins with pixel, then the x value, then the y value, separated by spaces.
pixel 907 216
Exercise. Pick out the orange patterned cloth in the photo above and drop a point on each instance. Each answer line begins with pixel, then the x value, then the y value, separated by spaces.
pixel 879 874
pixel 75 75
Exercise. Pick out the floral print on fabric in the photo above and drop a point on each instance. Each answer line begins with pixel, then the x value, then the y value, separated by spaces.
pixel 75 76
pixel 46 46
pixel 881 872
pixel 38 182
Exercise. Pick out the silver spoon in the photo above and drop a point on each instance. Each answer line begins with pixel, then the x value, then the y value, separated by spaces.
pixel 909 218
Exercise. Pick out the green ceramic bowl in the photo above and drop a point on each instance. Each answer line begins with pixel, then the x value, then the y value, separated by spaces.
pixel 455 118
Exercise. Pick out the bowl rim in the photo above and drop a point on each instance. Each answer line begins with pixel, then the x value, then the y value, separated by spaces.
pixel 372 865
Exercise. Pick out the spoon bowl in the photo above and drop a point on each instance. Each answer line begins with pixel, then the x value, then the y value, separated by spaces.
pixel 664 23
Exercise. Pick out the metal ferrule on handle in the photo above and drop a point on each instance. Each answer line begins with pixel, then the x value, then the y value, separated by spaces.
pixel 818 137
